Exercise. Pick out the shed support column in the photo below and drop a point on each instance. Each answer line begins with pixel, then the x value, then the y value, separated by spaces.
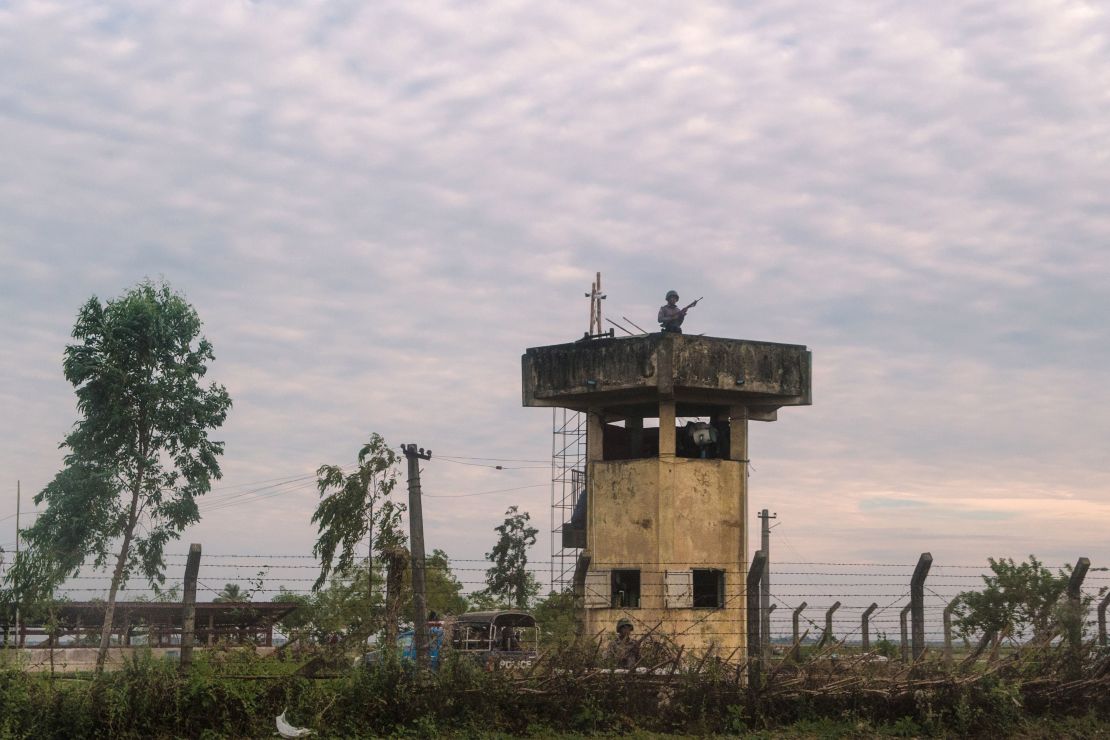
pixel 211 627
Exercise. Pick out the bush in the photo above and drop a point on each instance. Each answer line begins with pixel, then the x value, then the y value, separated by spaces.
pixel 148 698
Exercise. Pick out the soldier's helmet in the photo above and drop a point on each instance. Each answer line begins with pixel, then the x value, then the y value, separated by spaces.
pixel 624 622
pixel 672 293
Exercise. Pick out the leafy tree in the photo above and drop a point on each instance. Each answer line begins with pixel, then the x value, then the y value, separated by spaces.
pixel 508 581
pixel 444 591
pixel 556 617
pixel 345 515
pixel 1017 600
pixel 342 606
pixel 169 595
pixel 138 456
pixel 299 621
pixel 231 592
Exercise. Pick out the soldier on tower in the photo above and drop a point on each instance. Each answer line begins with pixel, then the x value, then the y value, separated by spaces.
pixel 671 316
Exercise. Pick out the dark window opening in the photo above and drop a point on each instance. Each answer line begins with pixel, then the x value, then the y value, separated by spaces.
pixel 624 443
pixel 709 589
pixel 626 589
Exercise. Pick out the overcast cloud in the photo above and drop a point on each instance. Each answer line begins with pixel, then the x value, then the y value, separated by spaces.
pixel 377 207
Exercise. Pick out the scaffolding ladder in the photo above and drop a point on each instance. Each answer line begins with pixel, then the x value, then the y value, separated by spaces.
pixel 568 481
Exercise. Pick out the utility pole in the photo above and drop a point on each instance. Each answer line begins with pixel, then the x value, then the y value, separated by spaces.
pixel 416 546
pixel 765 583
pixel 370 551
pixel 18 495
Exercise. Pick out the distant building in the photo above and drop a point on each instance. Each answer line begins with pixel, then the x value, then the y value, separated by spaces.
pixel 158 623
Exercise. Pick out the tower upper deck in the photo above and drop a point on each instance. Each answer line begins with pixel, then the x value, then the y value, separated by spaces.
pixel 693 371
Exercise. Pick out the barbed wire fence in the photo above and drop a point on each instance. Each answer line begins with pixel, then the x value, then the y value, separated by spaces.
pixel 835 594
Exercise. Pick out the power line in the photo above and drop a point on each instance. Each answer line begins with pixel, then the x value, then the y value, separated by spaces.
pixel 492 459
pixel 483 493
pixel 499 467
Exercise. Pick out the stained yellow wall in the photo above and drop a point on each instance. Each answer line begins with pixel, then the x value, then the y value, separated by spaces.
pixel 671 513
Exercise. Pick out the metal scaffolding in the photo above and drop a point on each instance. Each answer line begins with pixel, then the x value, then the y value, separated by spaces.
pixel 568 481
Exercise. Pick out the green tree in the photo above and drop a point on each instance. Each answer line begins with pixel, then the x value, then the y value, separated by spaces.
pixel 299 621
pixel 138 456
pixel 231 592
pixel 508 581
pixel 444 591
pixel 343 606
pixel 1018 600
pixel 345 515
pixel 556 618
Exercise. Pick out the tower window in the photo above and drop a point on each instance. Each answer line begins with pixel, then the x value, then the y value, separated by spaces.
pixel 709 589
pixel 626 589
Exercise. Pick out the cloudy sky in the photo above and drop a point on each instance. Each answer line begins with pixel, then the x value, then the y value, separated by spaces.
pixel 376 207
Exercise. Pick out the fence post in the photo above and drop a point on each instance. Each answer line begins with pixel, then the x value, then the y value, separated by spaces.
pixel 828 624
pixel 905 633
pixel 948 632
pixel 755 648
pixel 797 649
pixel 767 632
pixel 1075 600
pixel 917 602
pixel 1102 619
pixel 189 601
pixel 865 626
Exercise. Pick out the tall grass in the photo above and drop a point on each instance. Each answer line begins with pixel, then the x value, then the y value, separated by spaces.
pixel 238 695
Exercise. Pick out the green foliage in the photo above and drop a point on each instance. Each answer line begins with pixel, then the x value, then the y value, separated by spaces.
pixel 148 698
pixel 346 513
pixel 444 591
pixel 139 455
pixel 232 592
pixel 298 620
pixel 343 606
pixel 508 581
pixel 885 647
pixel 1017 599
pixel 556 617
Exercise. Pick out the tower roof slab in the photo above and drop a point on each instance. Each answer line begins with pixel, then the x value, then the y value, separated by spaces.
pixel 697 371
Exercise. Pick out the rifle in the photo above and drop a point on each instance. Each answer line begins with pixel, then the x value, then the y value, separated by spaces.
pixel 691 305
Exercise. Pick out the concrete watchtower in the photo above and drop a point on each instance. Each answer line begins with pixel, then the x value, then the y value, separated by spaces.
pixel 662 521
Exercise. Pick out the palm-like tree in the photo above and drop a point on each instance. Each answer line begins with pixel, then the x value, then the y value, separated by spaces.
pixel 231 592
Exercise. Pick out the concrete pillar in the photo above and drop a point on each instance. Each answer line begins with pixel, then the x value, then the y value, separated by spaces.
pixel 738 450
pixel 635 427
pixel 666 429
pixel 595 441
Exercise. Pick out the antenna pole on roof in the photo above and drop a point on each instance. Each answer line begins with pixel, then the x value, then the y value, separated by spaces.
pixel 596 297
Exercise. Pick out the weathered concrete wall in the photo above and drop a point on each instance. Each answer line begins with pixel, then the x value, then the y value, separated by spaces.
pixel 663 514
pixel 728 371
